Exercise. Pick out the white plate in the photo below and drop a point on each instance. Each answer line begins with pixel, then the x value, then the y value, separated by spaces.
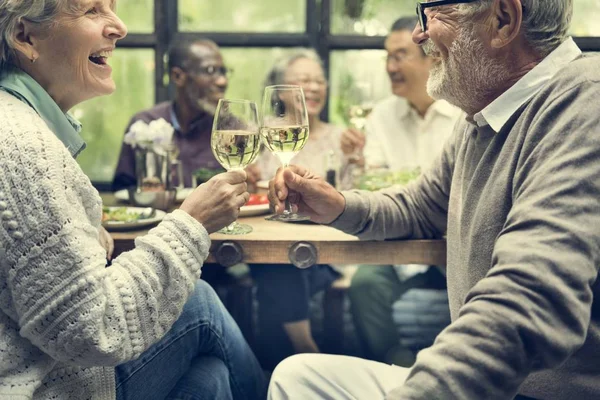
pixel 249 211
pixel 123 195
pixel 138 224
pixel 262 185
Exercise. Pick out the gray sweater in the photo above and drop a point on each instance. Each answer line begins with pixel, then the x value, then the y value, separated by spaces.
pixel 521 209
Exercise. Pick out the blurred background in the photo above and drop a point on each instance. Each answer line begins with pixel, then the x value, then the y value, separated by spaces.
pixel 348 35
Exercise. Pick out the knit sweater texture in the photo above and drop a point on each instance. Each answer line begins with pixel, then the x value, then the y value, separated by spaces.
pixel 521 208
pixel 65 320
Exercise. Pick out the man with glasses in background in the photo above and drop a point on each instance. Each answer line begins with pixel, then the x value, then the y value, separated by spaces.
pixel 405 131
pixel 199 78
pixel 517 191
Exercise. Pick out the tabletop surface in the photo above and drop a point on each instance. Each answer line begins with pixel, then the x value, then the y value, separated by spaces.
pixel 270 242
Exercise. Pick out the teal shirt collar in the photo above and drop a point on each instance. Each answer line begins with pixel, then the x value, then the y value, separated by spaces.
pixel 25 88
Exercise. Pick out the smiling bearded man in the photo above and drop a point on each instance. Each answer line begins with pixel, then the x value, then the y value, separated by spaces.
pixel 515 191
pixel 468 76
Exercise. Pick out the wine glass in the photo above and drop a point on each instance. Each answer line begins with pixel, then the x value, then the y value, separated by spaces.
pixel 285 131
pixel 235 142
pixel 359 110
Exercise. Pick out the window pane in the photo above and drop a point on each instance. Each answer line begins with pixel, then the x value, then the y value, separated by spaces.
pixel 585 18
pixel 138 15
pixel 104 119
pixel 374 17
pixel 242 16
pixel 352 69
pixel 368 17
pixel 251 66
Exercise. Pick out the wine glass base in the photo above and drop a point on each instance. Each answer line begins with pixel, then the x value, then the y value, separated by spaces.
pixel 291 217
pixel 238 229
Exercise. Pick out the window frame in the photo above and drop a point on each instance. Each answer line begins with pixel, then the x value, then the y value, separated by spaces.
pixel 317 35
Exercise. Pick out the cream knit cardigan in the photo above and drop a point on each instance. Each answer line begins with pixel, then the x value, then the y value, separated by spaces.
pixel 65 320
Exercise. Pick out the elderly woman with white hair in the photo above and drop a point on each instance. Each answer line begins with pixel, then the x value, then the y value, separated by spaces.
pixel 284 291
pixel 70 328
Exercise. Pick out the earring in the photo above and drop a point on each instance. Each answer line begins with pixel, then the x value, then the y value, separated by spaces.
pixel 33 59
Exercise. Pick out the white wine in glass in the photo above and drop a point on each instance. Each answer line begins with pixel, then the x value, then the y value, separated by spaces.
pixel 285 131
pixel 358 115
pixel 361 105
pixel 235 149
pixel 235 142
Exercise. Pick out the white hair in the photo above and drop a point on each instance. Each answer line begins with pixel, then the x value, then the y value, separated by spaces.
pixel 546 23
pixel 12 12
pixel 277 74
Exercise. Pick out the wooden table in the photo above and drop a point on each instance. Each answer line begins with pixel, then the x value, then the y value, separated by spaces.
pixel 270 243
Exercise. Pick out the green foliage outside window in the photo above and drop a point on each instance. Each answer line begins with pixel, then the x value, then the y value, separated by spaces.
pixel 138 15
pixel 374 17
pixel 250 68
pixel 105 118
pixel 586 14
pixel 242 16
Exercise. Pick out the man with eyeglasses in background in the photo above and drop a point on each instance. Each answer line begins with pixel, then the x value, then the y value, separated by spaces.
pixel 516 189
pixel 404 131
pixel 199 78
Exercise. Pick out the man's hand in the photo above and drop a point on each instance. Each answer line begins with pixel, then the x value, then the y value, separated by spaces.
pixel 308 193
pixel 216 203
pixel 107 242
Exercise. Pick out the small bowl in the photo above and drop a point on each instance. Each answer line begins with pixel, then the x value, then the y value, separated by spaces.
pixel 161 199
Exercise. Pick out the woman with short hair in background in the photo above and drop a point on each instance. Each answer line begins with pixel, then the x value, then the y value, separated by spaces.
pixel 284 291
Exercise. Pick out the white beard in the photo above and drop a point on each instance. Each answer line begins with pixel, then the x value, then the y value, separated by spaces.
pixel 468 76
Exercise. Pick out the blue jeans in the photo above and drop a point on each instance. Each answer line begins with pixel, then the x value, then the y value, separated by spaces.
pixel 203 356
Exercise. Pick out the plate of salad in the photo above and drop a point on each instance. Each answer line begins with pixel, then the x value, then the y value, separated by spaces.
pixel 126 218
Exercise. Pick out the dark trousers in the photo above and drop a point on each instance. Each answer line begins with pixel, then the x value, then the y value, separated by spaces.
pixel 283 295
pixel 373 291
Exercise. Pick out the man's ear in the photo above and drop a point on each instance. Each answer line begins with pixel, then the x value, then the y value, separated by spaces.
pixel 26 39
pixel 507 16
pixel 178 76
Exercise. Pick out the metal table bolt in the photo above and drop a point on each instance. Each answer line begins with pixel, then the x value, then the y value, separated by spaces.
pixel 303 254
pixel 229 253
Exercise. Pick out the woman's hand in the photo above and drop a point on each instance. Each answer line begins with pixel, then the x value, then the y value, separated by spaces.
pixel 216 203
pixel 107 242
pixel 309 194
pixel 352 141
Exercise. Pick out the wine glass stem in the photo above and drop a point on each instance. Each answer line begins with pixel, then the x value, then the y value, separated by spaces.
pixel 288 205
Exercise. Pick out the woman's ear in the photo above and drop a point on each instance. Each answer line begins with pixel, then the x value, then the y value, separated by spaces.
pixel 25 40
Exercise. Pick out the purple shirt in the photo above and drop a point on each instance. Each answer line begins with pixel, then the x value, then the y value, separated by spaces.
pixel 194 146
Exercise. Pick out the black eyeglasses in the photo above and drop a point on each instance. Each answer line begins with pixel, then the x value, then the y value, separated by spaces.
pixel 421 6
pixel 214 71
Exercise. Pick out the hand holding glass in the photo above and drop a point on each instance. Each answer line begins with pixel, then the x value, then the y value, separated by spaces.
pixel 285 131
pixel 235 142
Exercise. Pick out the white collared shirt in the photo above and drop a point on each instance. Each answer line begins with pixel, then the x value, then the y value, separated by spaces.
pixel 398 137
pixel 497 114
